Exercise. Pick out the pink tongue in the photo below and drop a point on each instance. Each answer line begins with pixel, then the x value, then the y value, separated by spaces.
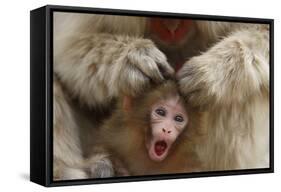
pixel 160 147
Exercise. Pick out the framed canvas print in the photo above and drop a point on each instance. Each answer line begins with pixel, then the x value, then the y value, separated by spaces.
pixel 125 95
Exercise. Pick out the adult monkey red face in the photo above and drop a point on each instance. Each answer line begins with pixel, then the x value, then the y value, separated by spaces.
pixel 168 119
pixel 170 31
pixel 171 35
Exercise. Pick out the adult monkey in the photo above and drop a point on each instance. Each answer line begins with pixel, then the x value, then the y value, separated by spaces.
pixel 225 72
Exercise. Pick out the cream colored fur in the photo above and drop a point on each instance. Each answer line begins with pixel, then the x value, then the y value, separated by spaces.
pixel 97 58
pixel 67 148
pixel 231 81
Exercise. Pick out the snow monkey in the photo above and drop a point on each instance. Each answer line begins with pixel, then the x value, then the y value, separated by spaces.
pixel 153 133
pixel 221 68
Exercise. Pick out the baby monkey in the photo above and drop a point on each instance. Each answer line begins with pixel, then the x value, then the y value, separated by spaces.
pixel 154 133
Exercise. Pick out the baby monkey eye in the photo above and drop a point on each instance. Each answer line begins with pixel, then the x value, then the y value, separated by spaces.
pixel 178 118
pixel 160 112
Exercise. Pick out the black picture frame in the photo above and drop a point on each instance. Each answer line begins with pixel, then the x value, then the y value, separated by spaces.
pixel 41 99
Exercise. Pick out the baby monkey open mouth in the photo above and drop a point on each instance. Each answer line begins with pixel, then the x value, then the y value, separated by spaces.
pixel 160 147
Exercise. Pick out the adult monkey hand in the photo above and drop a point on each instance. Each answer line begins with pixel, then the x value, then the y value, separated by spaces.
pixel 231 72
pixel 140 64
pixel 112 64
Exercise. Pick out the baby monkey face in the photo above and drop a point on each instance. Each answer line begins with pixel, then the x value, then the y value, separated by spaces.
pixel 168 119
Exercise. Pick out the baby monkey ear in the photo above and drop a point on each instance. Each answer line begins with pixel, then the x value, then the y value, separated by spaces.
pixel 127 103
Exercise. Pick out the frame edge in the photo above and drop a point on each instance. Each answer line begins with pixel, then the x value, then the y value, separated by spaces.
pixel 38 127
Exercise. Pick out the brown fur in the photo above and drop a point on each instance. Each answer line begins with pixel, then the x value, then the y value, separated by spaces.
pixel 125 132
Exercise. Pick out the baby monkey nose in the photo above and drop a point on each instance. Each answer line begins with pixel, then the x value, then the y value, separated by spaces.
pixel 164 130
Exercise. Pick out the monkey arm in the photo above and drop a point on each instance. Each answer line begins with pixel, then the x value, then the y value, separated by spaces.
pixel 67 148
pixel 97 68
pixel 232 71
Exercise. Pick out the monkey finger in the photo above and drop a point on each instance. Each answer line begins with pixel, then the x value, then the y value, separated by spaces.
pixel 187 85
pixel 187 71
pixel 196 92
pixel 165 68
pixel 133 81
pixel 149 67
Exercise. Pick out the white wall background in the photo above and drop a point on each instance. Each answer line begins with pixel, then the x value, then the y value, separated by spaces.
pixel 14 94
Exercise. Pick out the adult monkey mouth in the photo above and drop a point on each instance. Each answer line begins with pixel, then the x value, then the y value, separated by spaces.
pixel 170 30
